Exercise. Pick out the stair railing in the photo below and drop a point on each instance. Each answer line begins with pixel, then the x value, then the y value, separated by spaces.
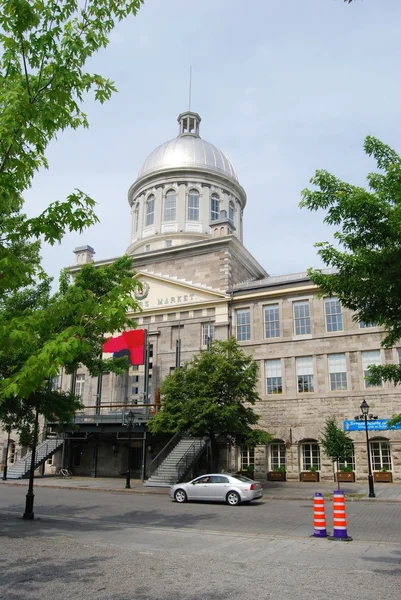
pixel 193 452
pixel 157 461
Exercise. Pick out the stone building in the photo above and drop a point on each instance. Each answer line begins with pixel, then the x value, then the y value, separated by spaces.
pixel 201 283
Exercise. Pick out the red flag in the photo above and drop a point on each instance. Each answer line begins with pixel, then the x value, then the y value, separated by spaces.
pixel 132 341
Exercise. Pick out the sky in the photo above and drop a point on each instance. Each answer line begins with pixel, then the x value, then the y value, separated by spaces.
pixel 284 87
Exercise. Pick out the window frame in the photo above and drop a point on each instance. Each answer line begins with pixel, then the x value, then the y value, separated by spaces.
pixel 307 378
pixel 170 212
pixel 238 327
pixel 276 381
pixel 277 328
pixel 310 455
pixel 80 384
pixel 368 385
pixel 231 210
pixel 192 194
pixel 280 460
pixel 150 213
pixel 247 454
pixel 334 372
pixel 377 455
pixel 213 199
pixel 208 331
pixel 302 321
pixel 334 320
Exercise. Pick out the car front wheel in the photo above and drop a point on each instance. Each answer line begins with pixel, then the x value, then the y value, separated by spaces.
pixel 180 496
pixel 233 499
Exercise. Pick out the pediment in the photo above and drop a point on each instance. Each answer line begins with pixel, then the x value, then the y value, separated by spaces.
pixel 161 292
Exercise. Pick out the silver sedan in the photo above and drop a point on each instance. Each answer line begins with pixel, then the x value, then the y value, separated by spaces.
pixel 223 487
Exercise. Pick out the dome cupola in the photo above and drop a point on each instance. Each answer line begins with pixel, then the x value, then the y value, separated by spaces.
pixel 180 190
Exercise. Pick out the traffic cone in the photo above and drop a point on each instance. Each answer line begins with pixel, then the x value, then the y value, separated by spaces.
pixel 339 518
pixel 319 516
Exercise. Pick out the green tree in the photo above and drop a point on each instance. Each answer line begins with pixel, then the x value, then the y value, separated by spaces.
pixel 44 45
pixel 366 255
pixel 212 396
pixel 336 444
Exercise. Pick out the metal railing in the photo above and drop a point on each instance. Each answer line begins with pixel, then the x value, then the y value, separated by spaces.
pixel 190 456
pixel 157 461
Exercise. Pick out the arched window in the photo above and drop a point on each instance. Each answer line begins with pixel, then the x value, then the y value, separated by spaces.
pixel 136 218
pixel 170 206
pixel 276 455
pixel 214 207
pixel 150 211
pixel 310 455
pixel 193 206
pixel 381 454
pixel 231 210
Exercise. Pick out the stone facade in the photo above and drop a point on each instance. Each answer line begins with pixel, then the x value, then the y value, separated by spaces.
pixel 311 354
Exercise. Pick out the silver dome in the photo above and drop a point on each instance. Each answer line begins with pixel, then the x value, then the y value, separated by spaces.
pixel 187 151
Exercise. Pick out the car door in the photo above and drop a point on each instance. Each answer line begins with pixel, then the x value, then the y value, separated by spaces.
pixel 199 489
pixel 218 487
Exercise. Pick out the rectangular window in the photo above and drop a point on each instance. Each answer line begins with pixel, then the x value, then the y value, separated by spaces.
pixel 207 333
pixel 334 318
pixel 169 243
pixel 193 207
pixel 302 318
pixel 305 374
pixel 399 355
pixel 272 321
pixel 370 357
pixel 169 207
pixel 381 456
pixel 277 456
pixel 273 377
pixel 337 372
pixel 310 456
pixel 364 325
pixel 80 385
pixel 247 457
pixel 243 323
pixel 150 211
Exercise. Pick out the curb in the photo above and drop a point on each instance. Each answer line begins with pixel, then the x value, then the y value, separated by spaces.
pixel 164 491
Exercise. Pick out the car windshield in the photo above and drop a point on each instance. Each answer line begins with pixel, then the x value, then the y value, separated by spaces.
pixel 241 478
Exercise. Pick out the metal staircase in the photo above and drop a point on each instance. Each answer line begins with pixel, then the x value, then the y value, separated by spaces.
pixel 44 450
pixel 176 463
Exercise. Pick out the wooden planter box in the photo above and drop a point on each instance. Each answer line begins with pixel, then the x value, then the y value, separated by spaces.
pixel 380 477
pixel 345 476
pixel 310 476
pixel 276 476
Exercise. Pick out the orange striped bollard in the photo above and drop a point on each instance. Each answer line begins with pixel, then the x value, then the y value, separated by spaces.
pixel 319 516
pixel 339 518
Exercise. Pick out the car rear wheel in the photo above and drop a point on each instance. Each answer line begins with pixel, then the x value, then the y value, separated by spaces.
pixel 180 496
pixel 233 499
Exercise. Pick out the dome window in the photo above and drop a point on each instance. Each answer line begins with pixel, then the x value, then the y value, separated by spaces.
pixel 193 206
pixel 170 206
pixel 150 211
pixel 231 210
pixel 136 219
pixel 214 208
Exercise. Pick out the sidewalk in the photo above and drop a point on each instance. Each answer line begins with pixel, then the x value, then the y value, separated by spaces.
pixel 385 492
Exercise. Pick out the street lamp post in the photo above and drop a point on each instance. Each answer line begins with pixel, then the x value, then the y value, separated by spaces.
pixel 365 412
pixel 129 423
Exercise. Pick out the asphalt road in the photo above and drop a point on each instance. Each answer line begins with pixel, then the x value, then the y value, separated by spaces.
pixel 141 547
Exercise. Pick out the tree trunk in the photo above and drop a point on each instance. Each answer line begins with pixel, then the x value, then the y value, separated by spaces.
pixel 214 455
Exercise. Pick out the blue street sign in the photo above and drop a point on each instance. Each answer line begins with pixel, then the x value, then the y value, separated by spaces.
pixel 377 425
